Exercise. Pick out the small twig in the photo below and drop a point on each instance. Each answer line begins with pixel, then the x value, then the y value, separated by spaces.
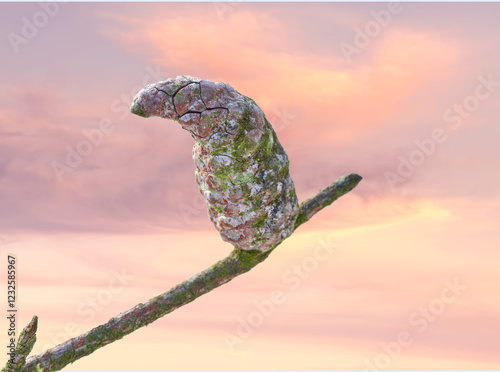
pixel 324 198
pixel 237 263
pixel 25 344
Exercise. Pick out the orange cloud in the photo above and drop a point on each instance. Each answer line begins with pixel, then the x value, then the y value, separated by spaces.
pixel 247 50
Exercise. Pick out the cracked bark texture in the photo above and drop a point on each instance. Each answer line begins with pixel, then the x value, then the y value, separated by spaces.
pixel 242 170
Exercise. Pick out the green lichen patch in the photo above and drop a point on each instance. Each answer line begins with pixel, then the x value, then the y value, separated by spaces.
pixel 248 257
pixel 139 112
pixel 259 222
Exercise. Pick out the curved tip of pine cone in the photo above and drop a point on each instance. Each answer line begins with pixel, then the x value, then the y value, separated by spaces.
pixel 136 109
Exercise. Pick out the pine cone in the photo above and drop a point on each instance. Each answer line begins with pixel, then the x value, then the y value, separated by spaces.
pixel 241 168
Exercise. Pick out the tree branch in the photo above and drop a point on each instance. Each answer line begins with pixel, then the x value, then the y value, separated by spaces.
pixel 25 344
pixel 236 263
pixel 325 197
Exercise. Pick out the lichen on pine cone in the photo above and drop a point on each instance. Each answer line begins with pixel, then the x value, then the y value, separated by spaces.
pixel 241 168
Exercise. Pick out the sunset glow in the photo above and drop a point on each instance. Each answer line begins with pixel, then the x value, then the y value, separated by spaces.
pixel 411 254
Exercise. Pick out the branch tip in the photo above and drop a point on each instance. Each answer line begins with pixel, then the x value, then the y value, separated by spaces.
pixel 25 343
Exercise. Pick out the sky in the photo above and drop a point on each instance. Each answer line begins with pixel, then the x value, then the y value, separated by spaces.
pixel 102 212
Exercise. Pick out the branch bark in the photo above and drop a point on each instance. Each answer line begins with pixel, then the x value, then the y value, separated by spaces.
pixel 236 263
pixel 324 198
pixel 25 343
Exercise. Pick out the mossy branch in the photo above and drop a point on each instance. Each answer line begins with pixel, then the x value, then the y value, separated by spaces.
pixel 219 118
pixel 25 344
pixel 325 197
pixel 236 263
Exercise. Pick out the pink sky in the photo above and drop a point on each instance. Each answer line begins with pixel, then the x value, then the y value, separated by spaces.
pixel 132 206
